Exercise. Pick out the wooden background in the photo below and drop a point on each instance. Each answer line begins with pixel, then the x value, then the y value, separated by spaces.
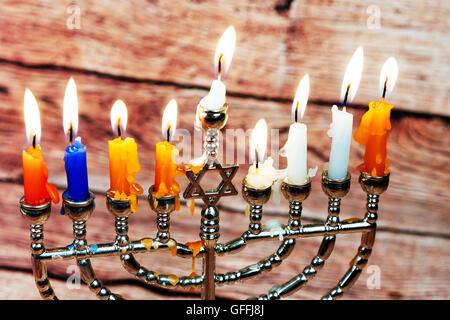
pixel 149 52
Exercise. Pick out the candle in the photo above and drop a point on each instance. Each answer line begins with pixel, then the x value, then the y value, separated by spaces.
pixel 261 174
pixel 166 167
pixel 75 154
pixel 375 123
pixel 215 99
pixel 37 190
pixel 342 122
pixel 123 159
pixel 295 148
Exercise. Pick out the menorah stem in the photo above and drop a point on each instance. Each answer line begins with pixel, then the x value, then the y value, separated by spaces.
pixel 163 225
pixel 79 213
pixel 36 216
pixel 39 267
pixel 209 268
pixel 209 233
pixel 255 218
pixel 295 213
pixel 373 186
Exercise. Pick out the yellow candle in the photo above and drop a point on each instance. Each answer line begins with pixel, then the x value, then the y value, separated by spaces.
pixel 123 159
pixel 166 169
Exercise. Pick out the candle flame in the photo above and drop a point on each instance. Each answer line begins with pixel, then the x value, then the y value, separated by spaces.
pixel 224 51
pixel 32 118
pixel 301 99
pixel 70 111
pixel 352 77
pixel 388 77
pixel 258 142
pixel 169 120
pixel 119 118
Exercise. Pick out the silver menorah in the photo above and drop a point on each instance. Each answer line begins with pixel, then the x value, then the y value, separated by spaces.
pixel 212 122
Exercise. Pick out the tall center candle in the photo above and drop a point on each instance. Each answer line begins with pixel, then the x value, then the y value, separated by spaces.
pixel 75 153
pixel 215 99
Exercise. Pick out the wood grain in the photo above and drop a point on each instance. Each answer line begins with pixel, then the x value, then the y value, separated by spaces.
pixel 174 41
pixel 418 147
pixel 148 52
pixel 408 264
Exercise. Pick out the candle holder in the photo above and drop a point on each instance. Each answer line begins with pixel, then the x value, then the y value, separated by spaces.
pixel 212 121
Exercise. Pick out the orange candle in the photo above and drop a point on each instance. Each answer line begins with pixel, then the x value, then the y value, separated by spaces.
pixel 37 190
pixel 375 124
pixel 166 168
pixel 123 159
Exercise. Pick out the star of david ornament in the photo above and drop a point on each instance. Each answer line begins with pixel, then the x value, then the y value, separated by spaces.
pixel 211 197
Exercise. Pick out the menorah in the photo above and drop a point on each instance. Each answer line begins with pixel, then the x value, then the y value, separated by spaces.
pixel 212 123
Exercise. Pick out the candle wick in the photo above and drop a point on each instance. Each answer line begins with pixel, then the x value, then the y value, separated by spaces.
pixel 168 133
pixel 219 67
pixel 346 95
pixel 385 86
pixel 34 141
pixel 256 158
pixel 119 132
pixel 296 112
pixel 71 133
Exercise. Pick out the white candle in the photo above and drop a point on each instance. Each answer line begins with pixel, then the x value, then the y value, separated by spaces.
pixel 342 121
pixel 262 174
pixel 341 134
pixel 215 99
pixel 295 148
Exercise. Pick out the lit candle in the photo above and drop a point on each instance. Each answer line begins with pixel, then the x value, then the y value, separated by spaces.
pixel 37 190
pixel 215 99
pixel 75 154
pixel 342 122
pixel 295 148
pixel 166 167
pixel 375 123
pixel 261 174
pixel 123 159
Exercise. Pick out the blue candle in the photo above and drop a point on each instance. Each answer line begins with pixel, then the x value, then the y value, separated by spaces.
pixel 76 170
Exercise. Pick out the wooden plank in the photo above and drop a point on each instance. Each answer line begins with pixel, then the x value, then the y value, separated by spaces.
pixel 412 267
pixel 418 147
pixel 276 44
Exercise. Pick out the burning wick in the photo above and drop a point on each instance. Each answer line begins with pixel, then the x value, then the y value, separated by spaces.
pixel 118 128
pixel 34 141
pixel 168 133
pixel 219 67
pixel 71 133
pixel 346 97
pixel 256 158
pixel 296 112
pixel 384 89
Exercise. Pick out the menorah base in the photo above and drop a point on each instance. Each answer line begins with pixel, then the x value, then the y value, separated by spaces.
pixel 82 252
